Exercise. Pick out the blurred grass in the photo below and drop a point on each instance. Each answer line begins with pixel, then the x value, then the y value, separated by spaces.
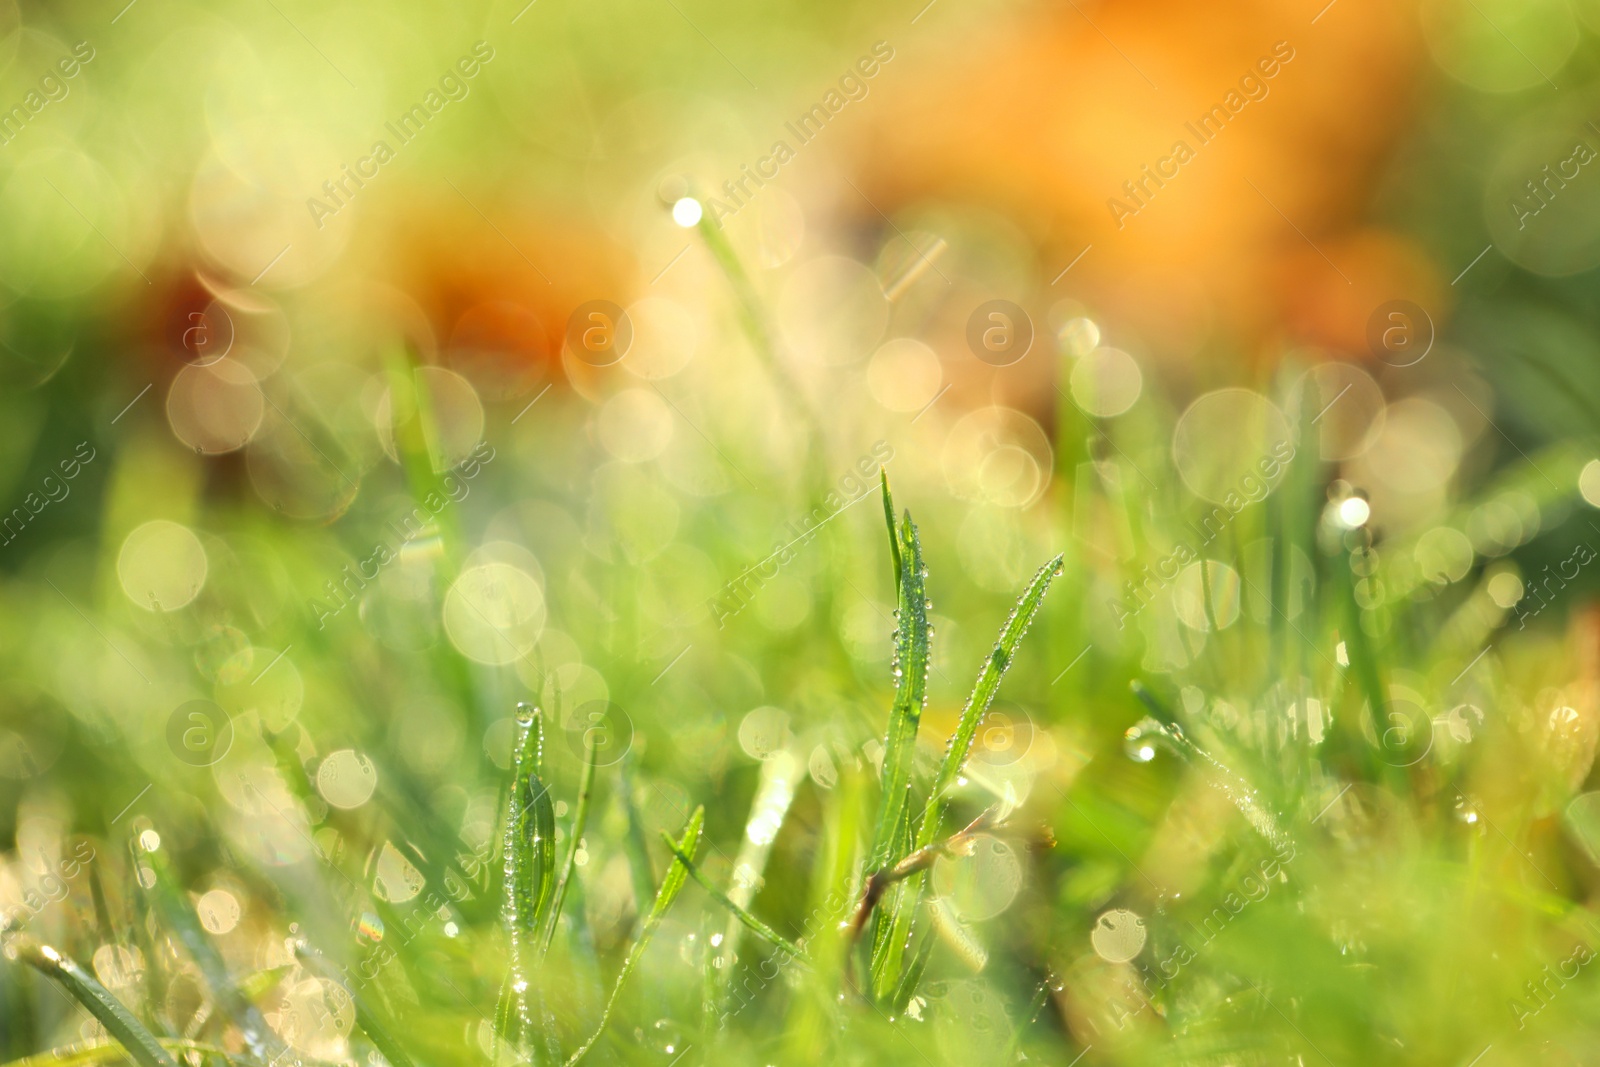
pixel 1322 798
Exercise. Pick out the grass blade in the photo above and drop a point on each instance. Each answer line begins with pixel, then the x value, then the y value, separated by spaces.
pixel 530 872
pixel 367 1018
pixel 755 925
pixel 983 694
pixel 1041 995
pixel 1161 726
pixel 754 320
pixel 119 1022
pixel 633 841
pixel 580 821
pixel 174 907
pixel 913 975
pixel 910 664
pixel 1358 647
pixel 91 1053
pixel 671 885
pixel 887 890
pixel 888 520
pixel 910 696
pixel 530 832
pixel 781 775
pixel 889 946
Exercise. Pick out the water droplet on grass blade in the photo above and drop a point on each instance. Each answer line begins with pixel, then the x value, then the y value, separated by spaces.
pixel 667 1036
pixel 1138 745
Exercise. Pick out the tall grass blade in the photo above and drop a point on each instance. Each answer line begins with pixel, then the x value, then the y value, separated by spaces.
pixel 833 880
pixel 671 885
pixel 781 775
pixel 119 1022
pixel 633 840
pixel 529 857
pixel 888 520
pixel 580 822
pixel 1359 648
pixel 1040 995
pixel 892 924
pixel 894 833
pixel 983 694
pixel 913 975
pixel 910 668
pixel 901 907
pixel 754 320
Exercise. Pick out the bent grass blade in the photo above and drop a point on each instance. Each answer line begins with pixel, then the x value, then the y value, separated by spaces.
pixel 755 925
pixel 119 1022
pixel 671 885
pixel 174 906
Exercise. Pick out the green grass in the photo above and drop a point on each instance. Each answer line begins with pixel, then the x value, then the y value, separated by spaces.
pixel 1311 802
pixel 1330 901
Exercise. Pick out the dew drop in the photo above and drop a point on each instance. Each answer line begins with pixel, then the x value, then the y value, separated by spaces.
pixel 1139 746
pixel 667 1036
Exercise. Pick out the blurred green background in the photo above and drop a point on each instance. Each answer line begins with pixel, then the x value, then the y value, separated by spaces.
pixel 366 370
